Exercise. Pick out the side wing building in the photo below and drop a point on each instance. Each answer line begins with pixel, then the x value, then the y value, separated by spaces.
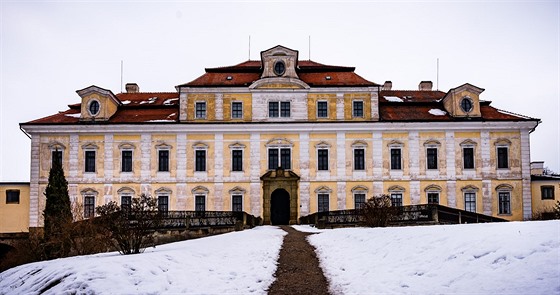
pixel 281 138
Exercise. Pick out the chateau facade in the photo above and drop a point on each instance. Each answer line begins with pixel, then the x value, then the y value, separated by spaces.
pixel 281 138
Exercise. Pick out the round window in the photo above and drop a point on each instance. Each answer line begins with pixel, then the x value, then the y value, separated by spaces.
pixel 279 68
pixel 466 104
pixel 94 107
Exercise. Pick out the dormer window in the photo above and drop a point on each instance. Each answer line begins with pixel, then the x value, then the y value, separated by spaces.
pixel 279 68
pixel 93 107
pixel 466 104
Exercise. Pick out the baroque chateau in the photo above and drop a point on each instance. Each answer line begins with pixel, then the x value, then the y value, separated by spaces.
pixel 282 138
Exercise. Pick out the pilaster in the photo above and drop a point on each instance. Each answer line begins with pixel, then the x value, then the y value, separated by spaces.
pixel 181 157
pixel 377 155
pixel 341 195
pixel 304 156
pixel 34 194
pixel 414 192
pixel 526 174
pixel 413 154
pixel 219 108
pixel 341 156
pixel 145 149
pixel 451 194
pixel 73 157
pixel 487 196
pixel 340 106
pixel 485 153
pixel 450 155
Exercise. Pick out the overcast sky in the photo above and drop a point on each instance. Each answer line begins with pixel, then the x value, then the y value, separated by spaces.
pixel 51 49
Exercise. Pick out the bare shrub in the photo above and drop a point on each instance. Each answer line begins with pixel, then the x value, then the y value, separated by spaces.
pixel 378 211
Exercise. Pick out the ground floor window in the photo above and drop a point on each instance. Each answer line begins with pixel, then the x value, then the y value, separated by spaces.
pixel 200 203
pixel 470 202
pixel 12 196
pixel 359 200
pixel 237 203
pixel 163 204
pixel 126 203
pixel 433 198
pixel 504 203
pixel 89 206
pixel 323 202
pixel 396 199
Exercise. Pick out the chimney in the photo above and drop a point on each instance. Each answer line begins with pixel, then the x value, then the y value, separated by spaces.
pixel 387 85
pixel 132 88
pixel 537 168
pixel 425 85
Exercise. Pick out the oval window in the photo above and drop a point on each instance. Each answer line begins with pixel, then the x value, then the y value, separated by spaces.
pixel 279 68
pixel 94 107
pixel 466 104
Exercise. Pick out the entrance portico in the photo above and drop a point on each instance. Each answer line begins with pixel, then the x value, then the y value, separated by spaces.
pixel 280 197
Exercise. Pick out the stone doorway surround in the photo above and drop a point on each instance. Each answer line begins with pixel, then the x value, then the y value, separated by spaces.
pixel 280 179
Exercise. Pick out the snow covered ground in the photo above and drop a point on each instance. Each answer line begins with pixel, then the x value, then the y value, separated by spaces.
pixel 236 263
pixel 492 258
pixel 495 258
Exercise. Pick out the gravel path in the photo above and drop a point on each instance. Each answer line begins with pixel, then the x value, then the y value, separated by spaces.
pixel 298 267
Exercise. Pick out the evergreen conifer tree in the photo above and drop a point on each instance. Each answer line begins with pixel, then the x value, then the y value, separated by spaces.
pixel 57 213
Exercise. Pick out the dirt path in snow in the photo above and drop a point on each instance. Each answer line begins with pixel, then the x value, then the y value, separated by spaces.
pixel 298 267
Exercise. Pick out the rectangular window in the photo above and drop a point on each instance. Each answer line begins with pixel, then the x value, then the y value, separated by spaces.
pixel 359 200
pixel 396 199
pixel 433 198
pixel 126 161
pixel 163 160
pixel 126 203
pixel 358 109
pixel 56 157
pixel 503 161
pixel 470 202
pixel 89 206
pixel 322 109
pixel 163 204
pixel 285 109
pixel 237 203
pixel 359 159
pixel 273 109
pixel 272 159
pixel 236 160
pixel 12 196
pixel 200 203
pixel 200 110
pixel 90 161
pixel 547 192
pixel 395 159
pixel 323 203
pixel 236 110
pixel 200 159
pixel 285 159
pixel 431 156
pixel 504 203
pixel 468 158
pixel 322 159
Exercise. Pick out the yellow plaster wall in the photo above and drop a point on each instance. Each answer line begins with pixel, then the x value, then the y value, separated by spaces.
pixel 210 100
pixel 245 99
pixel 313 196
pixel 14 218
pixel 349 97
pixel 45 155
pixel 312 100
pixel 539 205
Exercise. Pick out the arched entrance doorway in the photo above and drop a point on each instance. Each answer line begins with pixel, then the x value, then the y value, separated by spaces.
pixel 280 207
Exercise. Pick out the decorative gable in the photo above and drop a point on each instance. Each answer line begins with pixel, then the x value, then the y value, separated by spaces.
pixel 463 101
pixel 279 69
pixel 98 104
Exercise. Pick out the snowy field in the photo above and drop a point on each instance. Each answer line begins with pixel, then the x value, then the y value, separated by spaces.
pixel 498 258
pixel 493 258
pixel 236 263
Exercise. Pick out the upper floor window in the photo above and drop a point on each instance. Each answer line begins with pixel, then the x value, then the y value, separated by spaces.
pixel 237 203
pixel 468 157
pixel 323 202
pixel 358 109
pixel 163 160
pixel 285 109
pixel 322 109
pixel 431 158
pixel 56 158
pixel 89 161
pixel 396 158
pixel 273 109
pixel 237 160
pixel 322 159
pixel 283 161
pixel 200 160
pixel 503 157
pixel 279 109
pixel 236 110
pixel 547 192
pixel 126 161
pixel 200 108
pixel 12 196
pixel 359 159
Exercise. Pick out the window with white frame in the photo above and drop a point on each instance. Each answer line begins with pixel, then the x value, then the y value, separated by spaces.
pixel 470 201
pixel 396 157
pixel 285 109
pixel 163 203
pixel 504 202
pixel 431 158
pixel 468 148
pixel 126 202
pixel 358 109
pixel 237 203
pixel 396 194
pixel 322 109
pixel 279 151
pixel 323 159
pixel 200 203
pixel 200 155
pixel 236 110
pixel 323 202
pixel 279 109
pixel 433 197
pixel 359 192
pixel 89 206
pixel 359 159
pixel 200 110
pixel 163 160
pixel 237 160
pixel 126 161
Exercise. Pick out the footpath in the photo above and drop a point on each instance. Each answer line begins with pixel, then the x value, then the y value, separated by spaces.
pixel 298 267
